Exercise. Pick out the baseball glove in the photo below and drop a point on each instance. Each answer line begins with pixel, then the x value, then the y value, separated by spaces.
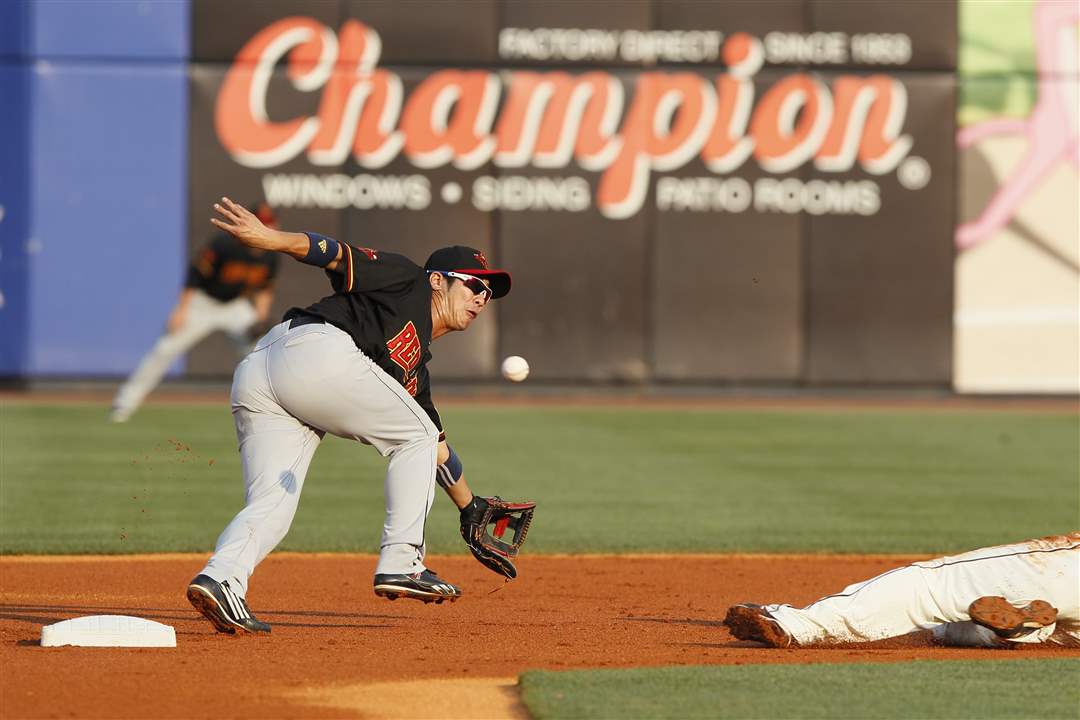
pixel 490 548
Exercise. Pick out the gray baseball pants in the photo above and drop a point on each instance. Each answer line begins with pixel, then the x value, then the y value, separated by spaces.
pixel 296 386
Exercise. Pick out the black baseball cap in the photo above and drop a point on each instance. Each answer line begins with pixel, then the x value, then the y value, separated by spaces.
pixel 470 261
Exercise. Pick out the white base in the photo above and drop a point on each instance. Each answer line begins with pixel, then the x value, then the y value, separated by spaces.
pixel 108 631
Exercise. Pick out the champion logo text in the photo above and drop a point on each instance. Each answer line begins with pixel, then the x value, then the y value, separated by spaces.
pixel 623 130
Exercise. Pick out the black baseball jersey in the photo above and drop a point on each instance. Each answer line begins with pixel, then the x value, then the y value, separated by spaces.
pixel 383 301
pixel 225 269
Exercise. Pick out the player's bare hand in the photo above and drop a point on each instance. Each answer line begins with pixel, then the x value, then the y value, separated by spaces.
pixel 241 222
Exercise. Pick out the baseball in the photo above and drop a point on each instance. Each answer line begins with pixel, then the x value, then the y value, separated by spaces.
pixel 515 368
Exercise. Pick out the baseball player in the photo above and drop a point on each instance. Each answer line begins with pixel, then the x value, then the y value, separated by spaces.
pixel 229 287
pixel 992 597
pixel 353 364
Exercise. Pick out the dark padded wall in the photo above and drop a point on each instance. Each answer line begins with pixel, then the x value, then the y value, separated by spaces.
pixel 880 288
pixel 727 293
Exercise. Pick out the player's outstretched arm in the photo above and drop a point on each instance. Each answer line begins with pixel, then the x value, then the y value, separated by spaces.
pixel 491 549
pixel 248 229
pixel 459 491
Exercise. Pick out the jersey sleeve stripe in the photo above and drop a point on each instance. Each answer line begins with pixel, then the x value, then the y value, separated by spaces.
pixel 348 268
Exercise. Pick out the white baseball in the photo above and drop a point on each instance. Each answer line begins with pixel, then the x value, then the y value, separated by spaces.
pixel 515 368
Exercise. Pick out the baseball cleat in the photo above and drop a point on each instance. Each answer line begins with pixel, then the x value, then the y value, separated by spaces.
pixel 424 585
pixel 227 611
pixel 753 622
pixel 1008 621
pixel 119 415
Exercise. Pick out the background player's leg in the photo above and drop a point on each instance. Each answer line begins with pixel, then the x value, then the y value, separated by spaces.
pixel 275 452
pixel 238 318
pixel 201 321
pixel 329 384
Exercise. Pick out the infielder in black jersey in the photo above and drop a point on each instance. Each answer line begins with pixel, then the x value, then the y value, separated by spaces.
pixel 229 287
pixel 353 364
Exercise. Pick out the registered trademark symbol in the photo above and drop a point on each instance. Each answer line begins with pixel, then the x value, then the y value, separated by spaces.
pixel 913 173
pixel 451 193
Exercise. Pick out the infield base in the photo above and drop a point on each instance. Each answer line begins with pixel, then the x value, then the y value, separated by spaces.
pixel 108 631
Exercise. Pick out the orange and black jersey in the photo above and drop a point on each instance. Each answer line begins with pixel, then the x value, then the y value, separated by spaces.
pixel 225 269
pixel 383 301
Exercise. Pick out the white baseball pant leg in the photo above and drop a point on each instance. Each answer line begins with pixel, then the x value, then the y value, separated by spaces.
pixel 296 385
pixel 926 594
pixel 205 315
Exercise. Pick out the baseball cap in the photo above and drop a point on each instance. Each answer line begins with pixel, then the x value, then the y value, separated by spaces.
pixel 470 261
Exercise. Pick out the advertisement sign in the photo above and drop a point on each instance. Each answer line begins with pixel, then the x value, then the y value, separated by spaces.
pixel 683 190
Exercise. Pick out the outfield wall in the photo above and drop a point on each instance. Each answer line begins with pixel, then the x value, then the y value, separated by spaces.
pixel 1018 267
pixel 94 178
pixel 684 191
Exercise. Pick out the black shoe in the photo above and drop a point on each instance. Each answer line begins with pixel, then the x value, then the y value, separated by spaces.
pixel 223 607
pixel 424 585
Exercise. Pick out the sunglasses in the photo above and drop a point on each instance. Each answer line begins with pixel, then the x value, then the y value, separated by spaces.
pixel 475 285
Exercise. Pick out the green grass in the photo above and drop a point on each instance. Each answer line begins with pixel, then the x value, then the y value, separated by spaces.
pixel 611 480
pixel 923 689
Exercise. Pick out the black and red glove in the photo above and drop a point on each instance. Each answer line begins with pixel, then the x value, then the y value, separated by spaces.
pixel 494 549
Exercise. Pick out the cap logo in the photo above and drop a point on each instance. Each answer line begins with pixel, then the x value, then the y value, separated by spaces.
pixel 481 259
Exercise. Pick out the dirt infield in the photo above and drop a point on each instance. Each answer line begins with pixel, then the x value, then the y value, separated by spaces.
pixel 338 651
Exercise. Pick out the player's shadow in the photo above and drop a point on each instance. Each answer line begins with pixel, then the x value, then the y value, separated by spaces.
pixel 714 646
pixel 677 621
pixel 55 613
pixel 48 614
pixel 272 615
pixel 696 622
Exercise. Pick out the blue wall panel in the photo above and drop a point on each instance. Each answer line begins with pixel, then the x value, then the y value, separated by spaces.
pixel 128 29
pixel 14 20
pixel 93 180
pixel 108 243
pixel 14 216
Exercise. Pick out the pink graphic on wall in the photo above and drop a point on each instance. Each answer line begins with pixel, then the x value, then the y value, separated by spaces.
pixel 1050 129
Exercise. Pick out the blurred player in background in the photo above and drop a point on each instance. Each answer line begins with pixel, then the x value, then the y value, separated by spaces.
pixel 992 597
pixel 230 288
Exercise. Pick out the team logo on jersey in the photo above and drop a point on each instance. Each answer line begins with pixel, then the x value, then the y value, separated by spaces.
pixel 237 273
pixel 371 253
pixel 405 348
pixel 481 259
